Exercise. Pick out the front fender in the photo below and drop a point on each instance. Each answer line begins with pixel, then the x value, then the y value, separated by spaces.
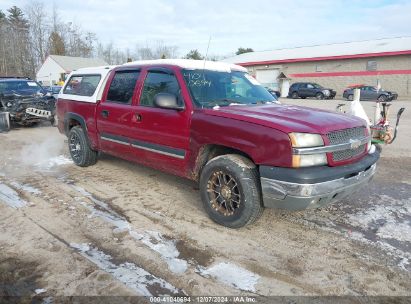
pixel 264 145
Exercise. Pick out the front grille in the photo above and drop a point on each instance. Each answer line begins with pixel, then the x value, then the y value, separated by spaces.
pixel 347 154
pixel 344 136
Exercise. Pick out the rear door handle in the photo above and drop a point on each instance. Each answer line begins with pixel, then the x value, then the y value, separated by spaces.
pixel 138 117
pixel 104 113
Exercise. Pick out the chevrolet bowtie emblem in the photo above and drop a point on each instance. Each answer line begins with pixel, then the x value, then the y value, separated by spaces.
pixel 355 143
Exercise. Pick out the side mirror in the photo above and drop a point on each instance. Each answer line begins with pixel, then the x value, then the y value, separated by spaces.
pixel 167 101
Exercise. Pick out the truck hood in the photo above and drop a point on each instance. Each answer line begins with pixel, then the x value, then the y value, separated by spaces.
pixel 289 118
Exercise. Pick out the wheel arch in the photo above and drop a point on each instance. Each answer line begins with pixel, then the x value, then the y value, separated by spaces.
pixel 210 151
pixel 74 119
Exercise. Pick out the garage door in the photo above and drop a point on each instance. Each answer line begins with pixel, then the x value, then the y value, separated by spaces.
pixel 268 78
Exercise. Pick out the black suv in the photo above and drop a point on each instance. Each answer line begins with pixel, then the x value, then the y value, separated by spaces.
pixel 26 101
pixel 309 89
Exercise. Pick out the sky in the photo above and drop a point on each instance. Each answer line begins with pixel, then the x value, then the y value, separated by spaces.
pixel 258 24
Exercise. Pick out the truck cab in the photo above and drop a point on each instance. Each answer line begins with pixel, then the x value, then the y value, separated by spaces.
pixel 215 124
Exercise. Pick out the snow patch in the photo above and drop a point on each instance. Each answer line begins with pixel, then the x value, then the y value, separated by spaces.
pixel 193 64
pixel 166 248
pixel 40 290
pixel 25 188
pixel 389 220
pixel 54 162
pixel 11 197
pixel 129 274
pixel 398 231
pixel 231 275
pixel 152 239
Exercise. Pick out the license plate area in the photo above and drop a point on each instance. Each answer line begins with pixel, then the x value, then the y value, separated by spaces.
pixel 38 112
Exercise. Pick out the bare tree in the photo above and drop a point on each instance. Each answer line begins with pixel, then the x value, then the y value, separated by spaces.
pixel 156 50
pixel 39 30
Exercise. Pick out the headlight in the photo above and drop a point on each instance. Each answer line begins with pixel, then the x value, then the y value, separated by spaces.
pixel 326 92
pixel 304 140
pixel 309 160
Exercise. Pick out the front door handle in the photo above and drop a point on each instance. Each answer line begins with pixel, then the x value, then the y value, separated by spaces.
pixel 104 113
pixel 138 117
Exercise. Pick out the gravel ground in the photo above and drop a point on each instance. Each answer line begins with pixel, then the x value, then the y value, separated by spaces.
pixel 123 229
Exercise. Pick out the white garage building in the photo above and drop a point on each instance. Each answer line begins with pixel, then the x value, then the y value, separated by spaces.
pixel 55 68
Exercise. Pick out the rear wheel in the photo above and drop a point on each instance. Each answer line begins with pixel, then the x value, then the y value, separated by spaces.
pixel 319 95
pixel 294 95
pixel 79 148
pixel 230 191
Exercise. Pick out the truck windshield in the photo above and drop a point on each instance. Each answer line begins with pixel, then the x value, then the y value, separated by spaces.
pixel 213 88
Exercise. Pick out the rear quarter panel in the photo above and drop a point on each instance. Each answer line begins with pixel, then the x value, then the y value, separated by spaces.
pixel 84 110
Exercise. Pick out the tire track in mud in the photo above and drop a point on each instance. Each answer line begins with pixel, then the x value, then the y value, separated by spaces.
pixel 149 198
pixel 271 274
pixel 167 248
pixel 131 275
pixel 195 257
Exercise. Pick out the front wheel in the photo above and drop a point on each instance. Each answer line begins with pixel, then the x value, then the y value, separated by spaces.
pixel 319 96
pixel 294 95
pixel 230 191
pixel 79 148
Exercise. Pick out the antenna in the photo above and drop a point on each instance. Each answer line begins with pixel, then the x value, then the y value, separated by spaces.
pixel 206 55
pixel 205 59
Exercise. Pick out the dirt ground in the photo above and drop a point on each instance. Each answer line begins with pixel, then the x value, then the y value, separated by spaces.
pixel 118 228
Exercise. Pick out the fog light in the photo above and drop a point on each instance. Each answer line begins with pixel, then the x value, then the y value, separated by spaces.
pixel 309 160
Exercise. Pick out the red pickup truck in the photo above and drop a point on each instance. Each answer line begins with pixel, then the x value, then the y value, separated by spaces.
pixel 213 123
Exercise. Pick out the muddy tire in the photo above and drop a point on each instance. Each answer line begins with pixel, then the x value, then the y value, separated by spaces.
pixel 80 150
pixel 230 191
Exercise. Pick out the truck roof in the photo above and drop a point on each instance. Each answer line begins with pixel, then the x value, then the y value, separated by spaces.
pixel 192 64
pixel 104 69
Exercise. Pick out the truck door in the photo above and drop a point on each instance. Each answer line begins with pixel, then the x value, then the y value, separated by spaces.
pixel 161 136
pixel 115 113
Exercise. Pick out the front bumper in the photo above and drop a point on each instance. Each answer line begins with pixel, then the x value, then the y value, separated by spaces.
pixel 296 189
pixel 332 95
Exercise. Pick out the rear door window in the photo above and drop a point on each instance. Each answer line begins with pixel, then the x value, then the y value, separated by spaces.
pixel 122 86
pixel 82 85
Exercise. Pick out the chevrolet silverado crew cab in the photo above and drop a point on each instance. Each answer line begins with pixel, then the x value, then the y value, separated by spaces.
pixel 213 123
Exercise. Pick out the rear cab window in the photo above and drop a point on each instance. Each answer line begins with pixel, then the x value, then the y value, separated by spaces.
pixel 82 85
